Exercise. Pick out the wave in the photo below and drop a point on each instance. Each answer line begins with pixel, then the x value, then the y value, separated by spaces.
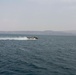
pixel 14 38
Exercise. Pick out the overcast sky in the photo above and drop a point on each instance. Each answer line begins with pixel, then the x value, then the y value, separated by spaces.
pixel 23 15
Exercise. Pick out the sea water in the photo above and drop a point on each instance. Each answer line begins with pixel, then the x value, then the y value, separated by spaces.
pixel 49 55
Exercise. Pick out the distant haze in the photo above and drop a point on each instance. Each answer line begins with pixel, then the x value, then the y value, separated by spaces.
pixel 37 15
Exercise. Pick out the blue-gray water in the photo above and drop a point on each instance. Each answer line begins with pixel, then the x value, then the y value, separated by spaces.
pixel 49 55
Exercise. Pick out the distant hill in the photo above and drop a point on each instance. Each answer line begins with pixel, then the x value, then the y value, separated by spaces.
pixel 72 32
pixel 48 32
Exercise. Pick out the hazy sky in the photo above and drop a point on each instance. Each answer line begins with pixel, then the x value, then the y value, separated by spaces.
pixel 37 15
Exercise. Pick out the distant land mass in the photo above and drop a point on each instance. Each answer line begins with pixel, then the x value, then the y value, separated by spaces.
pixel 47 32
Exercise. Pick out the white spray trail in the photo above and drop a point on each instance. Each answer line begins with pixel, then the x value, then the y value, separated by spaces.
pixel 13 38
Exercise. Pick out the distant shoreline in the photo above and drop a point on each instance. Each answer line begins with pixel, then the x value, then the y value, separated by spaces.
pixel 39 32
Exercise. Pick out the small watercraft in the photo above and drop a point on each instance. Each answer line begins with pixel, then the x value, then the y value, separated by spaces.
pixel 32 38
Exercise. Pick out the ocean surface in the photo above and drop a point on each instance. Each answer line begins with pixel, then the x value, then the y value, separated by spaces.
pixel 49 55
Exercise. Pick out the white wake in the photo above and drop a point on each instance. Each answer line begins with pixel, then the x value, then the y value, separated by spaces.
pixel 14 38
